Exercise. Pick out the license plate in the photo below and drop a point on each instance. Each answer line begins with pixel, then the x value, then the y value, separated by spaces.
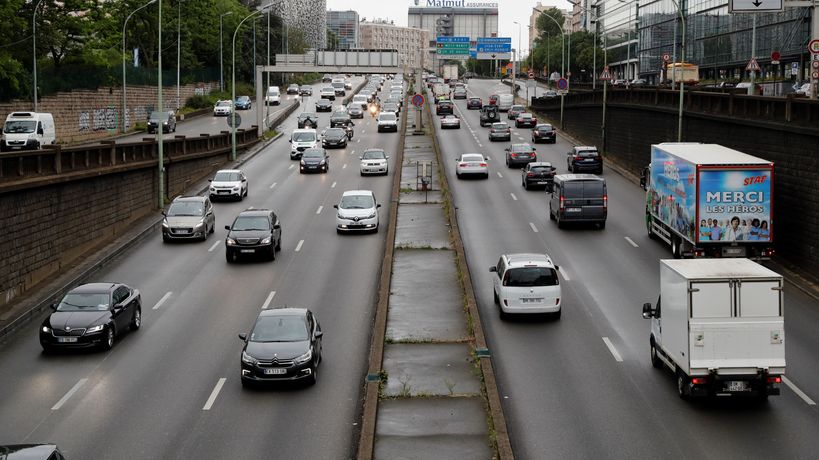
pixel 275 371
pixel 542 183
pixel 573 209
pixel 531 300
pixel 247 251
pixel 737 385
pixel 223 192
pixel 66 339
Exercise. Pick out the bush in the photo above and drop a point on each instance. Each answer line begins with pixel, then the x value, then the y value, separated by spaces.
pixel 198 101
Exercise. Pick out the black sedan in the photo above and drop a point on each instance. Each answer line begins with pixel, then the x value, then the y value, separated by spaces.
pixel 444 107
pixel 355 111
pixel 242 103
pixel 520 154
pixel 324 105
pixel 315 160
pixel 92 315
pixel 305 90
pixel 544 132
pixel 284 345
pixel 538 174
pixel 474 103
pixel 334 137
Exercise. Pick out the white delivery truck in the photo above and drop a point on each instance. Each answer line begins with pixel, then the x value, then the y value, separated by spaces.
pixel 719 326
pixel 28 131
pixel 450 72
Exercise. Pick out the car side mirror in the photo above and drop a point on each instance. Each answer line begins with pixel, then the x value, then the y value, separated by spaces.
pixel 387 157
pixel 648 311
pixel 54 306
pixel 164 213
pixel 227 227
pixel 210 180
pixel 319 334
pixel 493 269
pixel 243 336
pixel 378 205
pixel 290 140
pixel 335 206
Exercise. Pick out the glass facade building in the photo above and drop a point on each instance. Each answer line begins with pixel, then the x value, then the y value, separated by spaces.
pixel 616 25
pixel 345 25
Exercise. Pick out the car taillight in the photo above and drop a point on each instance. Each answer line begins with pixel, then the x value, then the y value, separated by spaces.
pixel 513 155
pixel 483 165
pixel 562 203
pixel 774 379
pixel 699 380
pixel 463 165
pixel 605 201
pixel 768 252
pixel 534 155
pixel 530 174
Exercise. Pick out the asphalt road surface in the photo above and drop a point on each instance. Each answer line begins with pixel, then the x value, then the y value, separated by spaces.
pixel 583 386
pixel 172 389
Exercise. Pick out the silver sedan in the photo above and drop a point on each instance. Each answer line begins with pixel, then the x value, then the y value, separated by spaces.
pixel 472 164
pixel 450 121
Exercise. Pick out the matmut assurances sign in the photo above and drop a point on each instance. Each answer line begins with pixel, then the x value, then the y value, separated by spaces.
pixel 455 4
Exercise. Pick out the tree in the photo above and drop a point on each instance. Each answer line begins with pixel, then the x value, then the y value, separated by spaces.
pixel 546 26
pixel 332 40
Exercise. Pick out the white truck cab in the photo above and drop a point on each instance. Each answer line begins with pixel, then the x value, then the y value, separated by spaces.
pixel 28 131
pixel 273 96
pixel 301 140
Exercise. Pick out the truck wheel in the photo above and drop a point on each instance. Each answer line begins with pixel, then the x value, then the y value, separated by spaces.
pixel 675 246
pixel 682 382
pixel 655 360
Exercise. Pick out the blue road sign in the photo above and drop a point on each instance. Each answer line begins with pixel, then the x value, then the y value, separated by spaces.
pixel 562 84
pixel 493 48
pixel 473 54
pixel 418 100
pixel 495 40
pixel 452 40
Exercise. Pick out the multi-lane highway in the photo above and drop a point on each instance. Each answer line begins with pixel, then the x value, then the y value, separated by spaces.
pixel 172 389
pixel 583 386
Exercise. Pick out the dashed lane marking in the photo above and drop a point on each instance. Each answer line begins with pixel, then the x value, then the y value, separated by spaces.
pixel 318 211
pixel 273 184
pixel 268 300
pixel 514 197
pixel 214 245
pixel 613 350
pixel 631 242
pixel 70 393
pixel 298 246
pixel 798 392
pixel 162 300
pixel 214 394
pixel 534 229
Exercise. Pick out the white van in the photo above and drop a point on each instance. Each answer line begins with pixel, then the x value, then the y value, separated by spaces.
pixel 28 131
pixel 301 140
pixel 273 96
pixel 505 102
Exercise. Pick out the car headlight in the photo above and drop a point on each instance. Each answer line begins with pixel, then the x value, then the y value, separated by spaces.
pixel 302 162
pixel 230 241
pixel 304 358
pixel 341 216
pixel 322 162
pixel 266 240
pixel 236 188
pixel 200 224
pixel 212 189
pixel 94 329
pixel 165 223
pixel 46 329
pixel 247 359
pixel 371 216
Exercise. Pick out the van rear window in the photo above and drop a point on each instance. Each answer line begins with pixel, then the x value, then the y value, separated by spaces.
pixel 583 189
pixel 530 276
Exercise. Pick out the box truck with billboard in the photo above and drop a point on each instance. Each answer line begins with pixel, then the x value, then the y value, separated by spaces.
pixel 707 200
pixel 719 326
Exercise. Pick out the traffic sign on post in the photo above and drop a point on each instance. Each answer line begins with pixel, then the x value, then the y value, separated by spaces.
pixel 752 66
pixel 813 46
pixel 562 84
pixel 666 57
pixel 494 48
pixel 418 100
pixel 605 75
pixel 755 6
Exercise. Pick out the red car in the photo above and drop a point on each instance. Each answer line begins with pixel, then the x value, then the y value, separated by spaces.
pixel 493 99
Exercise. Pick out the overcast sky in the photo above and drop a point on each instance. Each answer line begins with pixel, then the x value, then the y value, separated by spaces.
pixel 396 10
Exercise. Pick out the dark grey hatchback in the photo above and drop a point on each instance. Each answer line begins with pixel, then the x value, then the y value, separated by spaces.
pixel 284 345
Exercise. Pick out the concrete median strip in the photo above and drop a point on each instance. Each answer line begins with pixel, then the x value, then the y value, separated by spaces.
pixel 427 390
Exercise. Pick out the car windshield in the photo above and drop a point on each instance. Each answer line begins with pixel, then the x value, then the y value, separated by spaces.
pixel 224 176
pixel 304 137
pixel 313 153
pixel 525 115
pixel 356 202
pixel 450 117
pixel 84 302
pixel 541 169
pixel 544 128
pixel 305 116
pixel 521 148
pixel 387 117
pixel 473 157
pixel 328 89
pixel 374 155
pixel 583 189
pixel 517 108
pixel 530 276
pixel 159 115
pixel 20 126
pixel 283 328
pixel 223 104
pixel 272 92
pixel 338 85
pixel 500 126
pixel 587 153
pixel 334 132
pixel 243 223
pixel 186 208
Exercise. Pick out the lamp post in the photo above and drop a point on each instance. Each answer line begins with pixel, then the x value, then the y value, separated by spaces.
pixel 520 57
pixel 682 61
pixel 562 63
pixel 124 87
pixel 178 46
pixel 221 61
pixel 160 109
pixel 34 48
pixel 233 80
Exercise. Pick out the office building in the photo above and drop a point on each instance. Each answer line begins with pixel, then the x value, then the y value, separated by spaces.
pixel 344 24
pixel 308 16
pixel 410 42
pixel 458 21
pixel 616 25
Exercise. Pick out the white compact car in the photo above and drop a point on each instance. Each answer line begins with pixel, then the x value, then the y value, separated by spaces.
pixel 387 121
pixel 228 183
pixel 374 161
pixel 328 93
pixel 472 164
pixel 301 140
pixel 222 108
pixel 450 121
pixel 357 211
pixel 360 99
pixel 526 283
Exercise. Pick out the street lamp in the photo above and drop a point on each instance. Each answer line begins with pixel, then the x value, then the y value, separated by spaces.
pixel 34 48
pixel 233 80
pixel 520 57
pixel 124 87
pixel 160 109
pixel 562 63
pixel 221 61
pixel 178 46
pixel 682 60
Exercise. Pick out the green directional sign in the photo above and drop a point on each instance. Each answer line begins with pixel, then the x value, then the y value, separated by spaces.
pixel 453 45
pixel 453 51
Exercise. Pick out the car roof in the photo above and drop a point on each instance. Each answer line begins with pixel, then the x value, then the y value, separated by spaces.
pixel 284 311
pixel 229 171
pixel 375 149
pixel 544 124
pixel 584 147
pixel 577 177
pixel 26 451
pixel 472 153
pixel 94 288
pixel 522 144
pixel 255 212
pixel 358 192
pixel 527 258
pixel 188 198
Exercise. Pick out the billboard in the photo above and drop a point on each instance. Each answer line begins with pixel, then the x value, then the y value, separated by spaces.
pixel 735 205
pixel 455 4
pixel 672 192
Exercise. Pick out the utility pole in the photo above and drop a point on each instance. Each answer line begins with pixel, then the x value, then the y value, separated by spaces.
pixel 160 108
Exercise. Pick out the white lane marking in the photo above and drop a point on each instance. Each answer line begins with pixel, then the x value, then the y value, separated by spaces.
pixel 499 174
pixel 352 152
pixel 358 141
pixel 613 350
pixel 534 229
pixel 162 300
pixel 334 185
pixel 344 166
pixel 298 246
pixel 563 273
pixel 318 211
pixel 273 184
pixel 514 197
pixel 631 242
pixel 214 394
pixel 268 300
pixel 480 145
pixel 291 166
pixel 70 393
pixel 214 245
pixel 488 158
pixel 362 132
pixel 798 392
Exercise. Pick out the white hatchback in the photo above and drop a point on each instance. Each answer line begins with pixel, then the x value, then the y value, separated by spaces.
pixel 526 283
pixel 228 183
pixel 472 164
pixel 357 211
